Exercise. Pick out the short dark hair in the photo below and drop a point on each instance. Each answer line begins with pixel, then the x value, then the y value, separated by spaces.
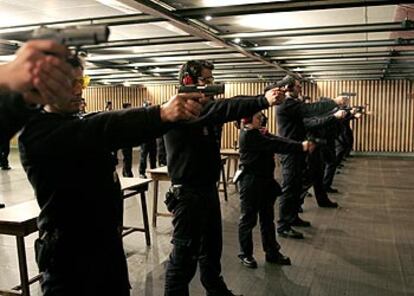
pixel 192 69
pixel 75 61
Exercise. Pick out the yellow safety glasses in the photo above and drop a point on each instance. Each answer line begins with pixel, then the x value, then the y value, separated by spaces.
pixel 83 81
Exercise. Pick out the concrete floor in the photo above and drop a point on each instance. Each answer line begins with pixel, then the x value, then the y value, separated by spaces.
pixel 366 247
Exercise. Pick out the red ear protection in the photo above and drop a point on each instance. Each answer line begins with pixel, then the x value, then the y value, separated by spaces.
pixel 187 80
pixel 246 120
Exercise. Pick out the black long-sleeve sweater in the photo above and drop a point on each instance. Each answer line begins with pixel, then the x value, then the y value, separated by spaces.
pixel 257 151
pixel 193 149
pixel 69 164
pixel 14 113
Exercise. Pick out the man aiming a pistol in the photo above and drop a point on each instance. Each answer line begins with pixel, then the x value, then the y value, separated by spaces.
pixel 68 162
pixel 193 151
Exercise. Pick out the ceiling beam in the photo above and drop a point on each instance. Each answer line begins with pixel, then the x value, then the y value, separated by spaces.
pixel 323 30
pixel 328 56
pixel 145 42
pixel 336 45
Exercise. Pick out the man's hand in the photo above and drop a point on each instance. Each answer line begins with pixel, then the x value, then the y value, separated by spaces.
pixel 39 72
pixel 340 114
pixel 183 106
pixel 341 100
pixel 308 146
pixel 275 96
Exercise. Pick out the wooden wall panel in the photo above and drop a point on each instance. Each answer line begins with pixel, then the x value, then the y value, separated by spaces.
pixel 389 127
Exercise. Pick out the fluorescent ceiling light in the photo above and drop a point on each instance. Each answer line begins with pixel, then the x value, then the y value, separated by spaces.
pixel 115 4
pixel 168 26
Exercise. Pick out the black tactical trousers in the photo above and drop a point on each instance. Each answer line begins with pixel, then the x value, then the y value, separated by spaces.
pixel 289 202
pixel 151 150
pixel 316 172
pixel 83 266
pixel 127 162
pixel 162 154
pixel 257 198
pixel 197 238
pixel 4 154
pixel 329 159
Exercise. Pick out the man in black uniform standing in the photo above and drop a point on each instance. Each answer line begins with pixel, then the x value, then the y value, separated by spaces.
pixel 259 189
pixel 193 153
pixel 68 162
pixel 290 115
pixel 316 128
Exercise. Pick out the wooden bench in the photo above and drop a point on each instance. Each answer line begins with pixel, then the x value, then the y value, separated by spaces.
pixel 233 161
pixel 131 187
pixel 21 220
pixel 157 175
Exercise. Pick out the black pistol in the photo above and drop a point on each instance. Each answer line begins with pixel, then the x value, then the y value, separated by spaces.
pixel 208 90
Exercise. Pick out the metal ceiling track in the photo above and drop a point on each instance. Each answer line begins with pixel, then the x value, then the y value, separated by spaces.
pixel 406 25
pixel 326 56
pixel 335 45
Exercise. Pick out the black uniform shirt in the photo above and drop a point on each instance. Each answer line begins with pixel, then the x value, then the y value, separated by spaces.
pixel 13 114
pixel 193 150
pixel 68 162
pixel 257 151
pixel 290 116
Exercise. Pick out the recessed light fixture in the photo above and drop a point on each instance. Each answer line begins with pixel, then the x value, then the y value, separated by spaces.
pixel 126 84
pixel 208 17
pixel 237 40
pixel 119 5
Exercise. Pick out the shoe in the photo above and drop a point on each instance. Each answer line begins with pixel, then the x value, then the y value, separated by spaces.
pixel 290 233
pixel 331 190
pixel 143 176
pixel 127 175
pixel 301 223
pixel 328 204
pixel 2 205
pixel 248 261
pixel 6 168
pixel 278 258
